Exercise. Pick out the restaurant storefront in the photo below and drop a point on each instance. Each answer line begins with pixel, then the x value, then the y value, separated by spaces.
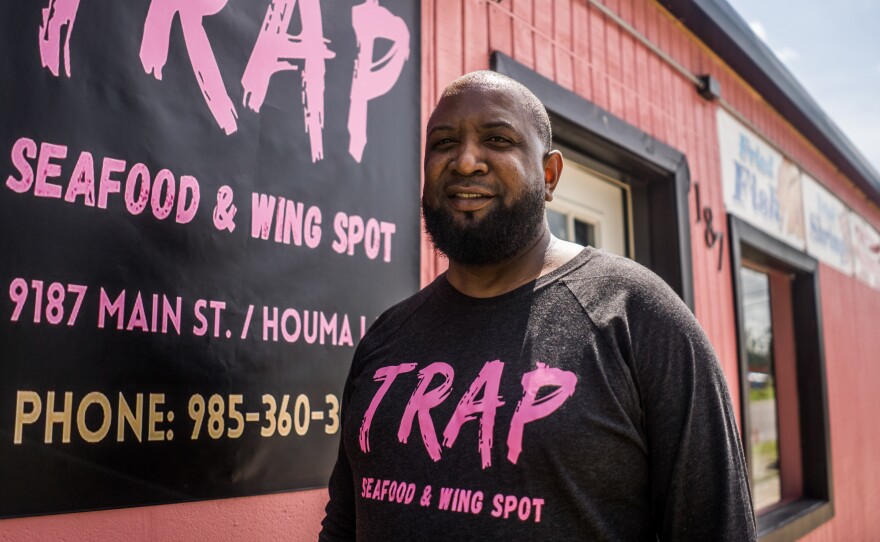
pixel 204 207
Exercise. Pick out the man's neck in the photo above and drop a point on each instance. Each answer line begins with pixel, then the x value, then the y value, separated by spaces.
pixel 540 257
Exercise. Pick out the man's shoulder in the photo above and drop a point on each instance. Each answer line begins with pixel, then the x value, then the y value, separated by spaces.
pixel 609 284
pixel 616 273
pixel 395 317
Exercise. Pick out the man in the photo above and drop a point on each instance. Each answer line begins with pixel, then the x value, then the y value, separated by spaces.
pixel 537 390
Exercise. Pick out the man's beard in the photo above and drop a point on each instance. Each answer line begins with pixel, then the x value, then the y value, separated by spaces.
pixel 500 234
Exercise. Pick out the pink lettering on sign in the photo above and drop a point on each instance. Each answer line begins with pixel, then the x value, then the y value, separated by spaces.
pixel 137 318
pixel 82 180
pixel 352 230
pixel 137 191
pixel 58 14
pixel 276 50
pixel 46 170
pixel 372 79
pixel 154 51
pixel 23 149
pixel 291 219
pixel 530 408
pixel 108 185
pixel 489 380
pixel 421 403
pixel 136 205
pixel 386 375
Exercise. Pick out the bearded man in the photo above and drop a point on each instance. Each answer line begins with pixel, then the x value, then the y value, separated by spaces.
pixel 538 390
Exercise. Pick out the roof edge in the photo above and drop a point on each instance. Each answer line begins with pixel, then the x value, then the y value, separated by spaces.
pixel 721 28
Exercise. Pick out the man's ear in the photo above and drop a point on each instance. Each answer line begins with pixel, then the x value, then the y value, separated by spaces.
pixel 552 171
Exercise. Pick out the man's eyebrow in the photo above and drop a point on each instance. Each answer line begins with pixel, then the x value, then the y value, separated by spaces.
pixel 485 126
pixel 440 128
pixel 498 124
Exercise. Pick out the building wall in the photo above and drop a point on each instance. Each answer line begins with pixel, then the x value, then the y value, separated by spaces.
pixel 285 516
pixel 573 43
pixel 850 310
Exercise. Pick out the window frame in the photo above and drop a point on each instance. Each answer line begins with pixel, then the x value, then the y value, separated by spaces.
pixel 575 210
pixel 791 520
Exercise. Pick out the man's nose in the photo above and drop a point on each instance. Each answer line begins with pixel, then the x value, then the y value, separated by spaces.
pixel 470 160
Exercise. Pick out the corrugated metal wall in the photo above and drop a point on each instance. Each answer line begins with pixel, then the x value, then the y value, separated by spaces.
pixel 573 43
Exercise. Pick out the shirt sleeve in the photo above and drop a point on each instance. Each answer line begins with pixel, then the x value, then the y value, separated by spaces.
pixel 339 521
pixel 699 480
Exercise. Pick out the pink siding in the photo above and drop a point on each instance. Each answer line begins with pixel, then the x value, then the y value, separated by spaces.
pixel 286 516
pixel 574 44
pixel 850 312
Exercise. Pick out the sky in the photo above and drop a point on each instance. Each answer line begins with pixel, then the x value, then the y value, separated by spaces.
pixel 833 49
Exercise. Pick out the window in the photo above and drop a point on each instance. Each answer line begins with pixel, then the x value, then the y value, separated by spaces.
pixel 589 208
pixel 771 394
pixel 571 226
pixel 782 384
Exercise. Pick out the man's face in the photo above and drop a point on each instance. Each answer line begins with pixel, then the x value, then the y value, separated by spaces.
pixel 484 177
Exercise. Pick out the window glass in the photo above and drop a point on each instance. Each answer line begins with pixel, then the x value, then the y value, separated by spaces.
pixel 762 406
pixel 584 233
pixel 590 209
pixel 558 224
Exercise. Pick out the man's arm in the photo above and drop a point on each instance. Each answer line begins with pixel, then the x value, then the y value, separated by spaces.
pixel 699 479
pixel 339 522
pixel 698 476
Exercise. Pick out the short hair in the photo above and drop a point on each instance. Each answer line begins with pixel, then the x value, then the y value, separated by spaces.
pixel 490 80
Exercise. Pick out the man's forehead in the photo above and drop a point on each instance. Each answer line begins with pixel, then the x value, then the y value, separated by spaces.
pixel 483 90
pixel 495 105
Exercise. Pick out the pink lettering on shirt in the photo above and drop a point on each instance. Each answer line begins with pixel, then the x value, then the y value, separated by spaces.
pixel 372 79
pixel 530 409
pixel 489 380
pixel 57 14
pixel 386 375
pixel 421 403
pixel 275 51
pixel 154 51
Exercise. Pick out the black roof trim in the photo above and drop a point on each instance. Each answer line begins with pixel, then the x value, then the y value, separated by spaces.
pixel 721 28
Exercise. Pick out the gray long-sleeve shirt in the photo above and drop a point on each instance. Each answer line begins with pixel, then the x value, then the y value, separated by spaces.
pixel 586 405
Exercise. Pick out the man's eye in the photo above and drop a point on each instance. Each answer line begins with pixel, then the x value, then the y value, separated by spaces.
pixel 443 142
pixel 499 140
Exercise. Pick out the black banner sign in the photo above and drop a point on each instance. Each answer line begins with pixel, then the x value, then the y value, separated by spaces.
pixel 203 206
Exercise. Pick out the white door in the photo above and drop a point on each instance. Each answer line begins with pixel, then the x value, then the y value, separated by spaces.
pixel 590 209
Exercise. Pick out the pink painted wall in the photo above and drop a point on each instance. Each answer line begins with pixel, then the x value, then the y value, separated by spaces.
pixel 292 517
pixel 850 313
